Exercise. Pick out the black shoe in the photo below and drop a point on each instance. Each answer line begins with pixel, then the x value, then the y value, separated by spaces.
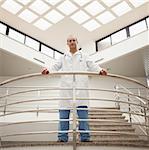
pixel 86 140
pixel 61 141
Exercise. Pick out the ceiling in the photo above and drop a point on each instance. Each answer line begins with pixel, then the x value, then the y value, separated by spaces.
pixel 56 34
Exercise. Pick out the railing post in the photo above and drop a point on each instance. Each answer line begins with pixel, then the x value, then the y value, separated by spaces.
pixel 117 97
pixel 146 121
pixel 38 105
pixel 0 141
pixel 74 113
pixel 129 109
pixel 5 107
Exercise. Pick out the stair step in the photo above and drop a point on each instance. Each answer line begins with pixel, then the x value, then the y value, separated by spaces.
pixel 109 108
pixel 107 124
pixel 120 139
pixel 104 113
pixel 93 143
pixel 112 129
pixel 113 133
pixel 107 117
pixel 98 121
pixel 116 143
pixel 104 110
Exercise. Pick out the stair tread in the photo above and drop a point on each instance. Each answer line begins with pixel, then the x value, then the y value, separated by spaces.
pixel 113 129
pixel 136 143
pixel 107 124
pixel 116 117
pixel 116 139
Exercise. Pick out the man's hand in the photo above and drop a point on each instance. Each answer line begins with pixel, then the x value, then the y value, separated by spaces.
pixel 103 72
pixel 45 71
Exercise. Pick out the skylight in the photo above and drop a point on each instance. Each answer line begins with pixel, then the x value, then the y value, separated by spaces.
pixel 110 3
pixel 106 17
pixel 91 25
pixel 94 8
pixel 80 17
pixel 81 2
pixel 121 8
pixel 67 7
pixel 11 6
pixel 28 16
pixel 138 3
pixel 45 13
pixel 54 16
pixel 53 2
pixel 39 7
pixel 42 24
pixel 24 2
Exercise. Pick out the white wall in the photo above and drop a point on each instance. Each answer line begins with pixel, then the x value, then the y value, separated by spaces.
pixel 89 47
pixel 0 62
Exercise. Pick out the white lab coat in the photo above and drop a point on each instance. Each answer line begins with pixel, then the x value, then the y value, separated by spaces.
pixel 76 62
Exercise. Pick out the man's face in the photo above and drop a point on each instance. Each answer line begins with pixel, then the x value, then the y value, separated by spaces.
pixel 72 42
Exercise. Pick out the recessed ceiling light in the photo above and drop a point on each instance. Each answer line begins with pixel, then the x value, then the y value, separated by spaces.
pixel 67 7
pixel 42 24
pixel 121 8
pixel 80 17
pixel 137 3
pixel 81 2
pixel 105 17
pixel 28 16
pixel 24 2
pixel 54 16
pixel 52 2
pixel 110 3
pixel 94 8
pixel 11 6
pixel 91 25
pixel 39 7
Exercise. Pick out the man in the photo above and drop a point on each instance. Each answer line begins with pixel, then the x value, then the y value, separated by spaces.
pixel 74 60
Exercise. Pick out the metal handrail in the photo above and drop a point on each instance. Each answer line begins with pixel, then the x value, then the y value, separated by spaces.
pixel 132 93
pixel 55 120
pixel 71 73
pixel 56 88
pixel 134 109
pixel 55 99
pixel 95 99
pixel 71 131
pixel 74 131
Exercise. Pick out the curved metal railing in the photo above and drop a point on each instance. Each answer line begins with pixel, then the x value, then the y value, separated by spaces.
pixel 138 106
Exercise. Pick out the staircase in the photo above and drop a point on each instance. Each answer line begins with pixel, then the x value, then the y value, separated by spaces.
pixel 112 130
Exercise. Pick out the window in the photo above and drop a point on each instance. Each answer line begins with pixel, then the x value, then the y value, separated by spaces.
pixel 57 55
pixel 32 43
pixel 3 28
pixel 119 36
pixel 137 28
pixel 104 43
pixel 16 35
pixel 46 50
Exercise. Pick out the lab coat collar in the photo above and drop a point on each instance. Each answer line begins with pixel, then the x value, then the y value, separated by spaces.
pixel 68 53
